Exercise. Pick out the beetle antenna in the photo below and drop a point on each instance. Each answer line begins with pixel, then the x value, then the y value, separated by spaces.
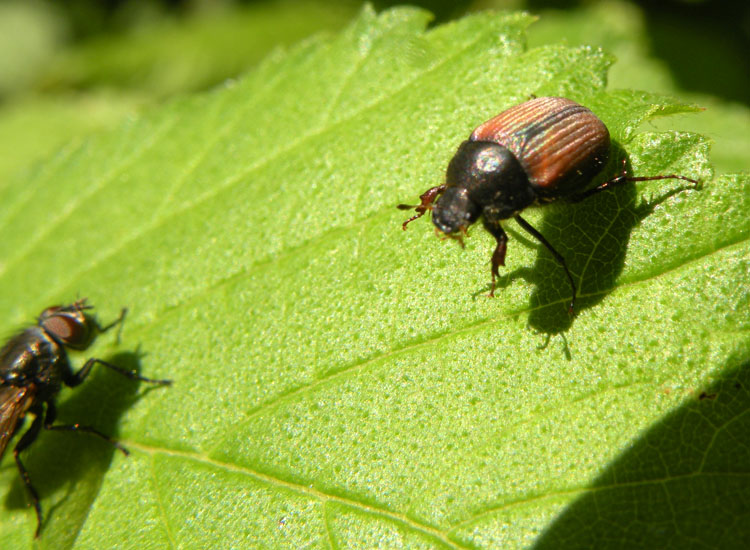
pixel 427 198
pixel 417 216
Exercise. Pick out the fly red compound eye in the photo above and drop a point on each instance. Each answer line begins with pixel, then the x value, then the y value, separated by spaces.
pixel 543 150
pixel 33 367
pixel 70 329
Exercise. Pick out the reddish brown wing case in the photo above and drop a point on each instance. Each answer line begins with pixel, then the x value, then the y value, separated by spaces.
pixel 560 144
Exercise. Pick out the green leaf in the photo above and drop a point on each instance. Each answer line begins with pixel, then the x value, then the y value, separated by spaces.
pixel 169 56
pixel 123 73
pixel 341 383
pixel 30 34
pixel 37 126
pixel 624 30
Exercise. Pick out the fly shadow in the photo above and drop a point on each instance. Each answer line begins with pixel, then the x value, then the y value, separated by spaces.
pixel 74 464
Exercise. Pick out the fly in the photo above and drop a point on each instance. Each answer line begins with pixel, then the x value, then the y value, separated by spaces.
pixel 34 366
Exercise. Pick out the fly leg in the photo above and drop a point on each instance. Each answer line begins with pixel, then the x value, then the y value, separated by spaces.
pixel 73 380
pixel 27 439
pixel 119 321
pixel 52 415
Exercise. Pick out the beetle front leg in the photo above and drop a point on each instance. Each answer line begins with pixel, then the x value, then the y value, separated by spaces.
pixel 427 198
pixel 498 256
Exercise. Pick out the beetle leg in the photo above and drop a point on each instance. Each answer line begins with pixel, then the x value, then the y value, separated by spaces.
pixel 624 178
pixel 427 198
pixel 26 440
pixel 453 236
pixel 498 256
pixel 539 237
pixel 621 178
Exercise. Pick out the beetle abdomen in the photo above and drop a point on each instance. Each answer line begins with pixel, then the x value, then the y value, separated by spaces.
pixel 560 144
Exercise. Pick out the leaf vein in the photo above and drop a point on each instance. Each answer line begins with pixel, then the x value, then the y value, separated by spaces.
pixel 307 490
pixel 234 179
pixel 66 211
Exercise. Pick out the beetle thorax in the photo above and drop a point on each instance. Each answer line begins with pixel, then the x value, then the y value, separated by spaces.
pixel 482 178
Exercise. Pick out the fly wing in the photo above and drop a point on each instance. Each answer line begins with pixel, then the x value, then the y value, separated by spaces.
pixel 13 404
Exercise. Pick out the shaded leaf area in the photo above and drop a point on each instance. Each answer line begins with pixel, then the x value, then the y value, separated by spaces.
pixel 697 461
pixel 55 459
pixel 340 383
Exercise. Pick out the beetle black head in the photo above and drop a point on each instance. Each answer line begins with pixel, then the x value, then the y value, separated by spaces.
pixel 70 325
pixel 482 178
pixel 454 211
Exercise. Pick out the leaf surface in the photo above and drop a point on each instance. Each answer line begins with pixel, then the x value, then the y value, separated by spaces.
pixel 340 383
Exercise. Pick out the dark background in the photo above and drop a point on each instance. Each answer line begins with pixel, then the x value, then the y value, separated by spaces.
pixel 705 44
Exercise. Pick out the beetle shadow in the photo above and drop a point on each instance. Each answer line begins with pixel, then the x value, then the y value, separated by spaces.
pixel 592 235
pixel 57 461
pixel 679 485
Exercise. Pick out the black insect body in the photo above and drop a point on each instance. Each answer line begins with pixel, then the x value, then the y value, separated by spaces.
pixel 33 367
pixel 545 149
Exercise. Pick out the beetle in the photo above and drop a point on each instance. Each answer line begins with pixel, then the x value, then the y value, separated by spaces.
pixel 34 366
pixel 543 150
